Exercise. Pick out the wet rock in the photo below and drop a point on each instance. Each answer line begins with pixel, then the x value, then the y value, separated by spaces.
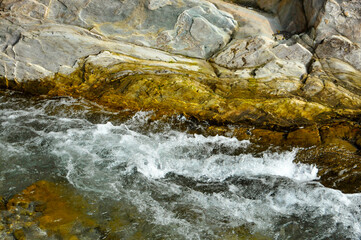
pixel 2 203
pixel 304 137
pixel 338 167
pixel 264 136
pixel 61 215
pixel 345 131
pixel 242 232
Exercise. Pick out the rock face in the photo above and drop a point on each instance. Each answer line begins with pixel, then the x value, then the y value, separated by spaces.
pixel 337 46
pixel 340 17
pixel 290 12
pixel 178 27
pixel 246 67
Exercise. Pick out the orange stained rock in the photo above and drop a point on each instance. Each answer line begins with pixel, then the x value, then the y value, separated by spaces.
pixel 60 208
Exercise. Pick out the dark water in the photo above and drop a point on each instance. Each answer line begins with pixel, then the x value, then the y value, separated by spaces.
pixel 163 182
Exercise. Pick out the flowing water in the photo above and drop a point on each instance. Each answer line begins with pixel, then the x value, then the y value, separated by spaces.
pixel 164 182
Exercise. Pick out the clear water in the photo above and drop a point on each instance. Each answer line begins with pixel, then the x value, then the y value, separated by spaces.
pixel 163 182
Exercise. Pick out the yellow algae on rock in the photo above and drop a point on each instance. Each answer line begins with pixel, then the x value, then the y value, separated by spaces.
pixel 60 210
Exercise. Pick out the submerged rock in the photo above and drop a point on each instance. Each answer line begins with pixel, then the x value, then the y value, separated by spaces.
pixel 46 210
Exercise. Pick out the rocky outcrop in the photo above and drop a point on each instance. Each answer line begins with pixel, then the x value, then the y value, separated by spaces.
pixel 261 76
pixel 182 29
pixel 337 46
pixel 339 17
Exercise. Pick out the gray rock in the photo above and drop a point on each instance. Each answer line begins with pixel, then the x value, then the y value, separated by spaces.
pixel 250 22
pixel 289 12
pixel 251 52
pixel 312 10
pixel 340 47
pixel 136 21
pixel 294 52
pixel 281 69
pixel 334 83
pixel 340 17
pixel 48 49
pixel 199 32
pixel 292 16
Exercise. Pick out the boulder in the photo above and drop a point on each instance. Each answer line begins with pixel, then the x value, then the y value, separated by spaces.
pixel 251 52
pixel 337 46
pixel 198 32
pixel 295 52
pixel 339 17
pixel 251 23
pixel 261 57
pixel 334 83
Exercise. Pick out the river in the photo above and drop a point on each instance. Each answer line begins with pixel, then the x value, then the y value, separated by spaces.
pixel 173 183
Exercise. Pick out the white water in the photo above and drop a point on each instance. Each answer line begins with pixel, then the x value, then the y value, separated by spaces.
pixel 185 186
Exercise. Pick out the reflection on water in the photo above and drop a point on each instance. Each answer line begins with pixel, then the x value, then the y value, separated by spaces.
pixel 165 183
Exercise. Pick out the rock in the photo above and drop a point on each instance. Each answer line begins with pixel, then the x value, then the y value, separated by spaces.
pixel 281 69
pixel 187 27
pixel 267 137
pixel 346 131
pixel 339 17
pixel 258 58
pixel 304 137
pixel 198 32
pixel 339 47
pixel 292 16
pixel 293 53
pixel 338 164
pixel 2 204
pixel 358 141
pixel 312 9
pixel 251 52
pixel 251 23
pixel 334 83
pixel 47 50
pixel 289 12
pixel 340 144
pixel 63 214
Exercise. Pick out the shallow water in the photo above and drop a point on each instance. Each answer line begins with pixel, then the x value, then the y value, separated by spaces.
pixel 163 182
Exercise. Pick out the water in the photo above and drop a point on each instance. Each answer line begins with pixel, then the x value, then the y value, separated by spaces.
pixel 164 182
